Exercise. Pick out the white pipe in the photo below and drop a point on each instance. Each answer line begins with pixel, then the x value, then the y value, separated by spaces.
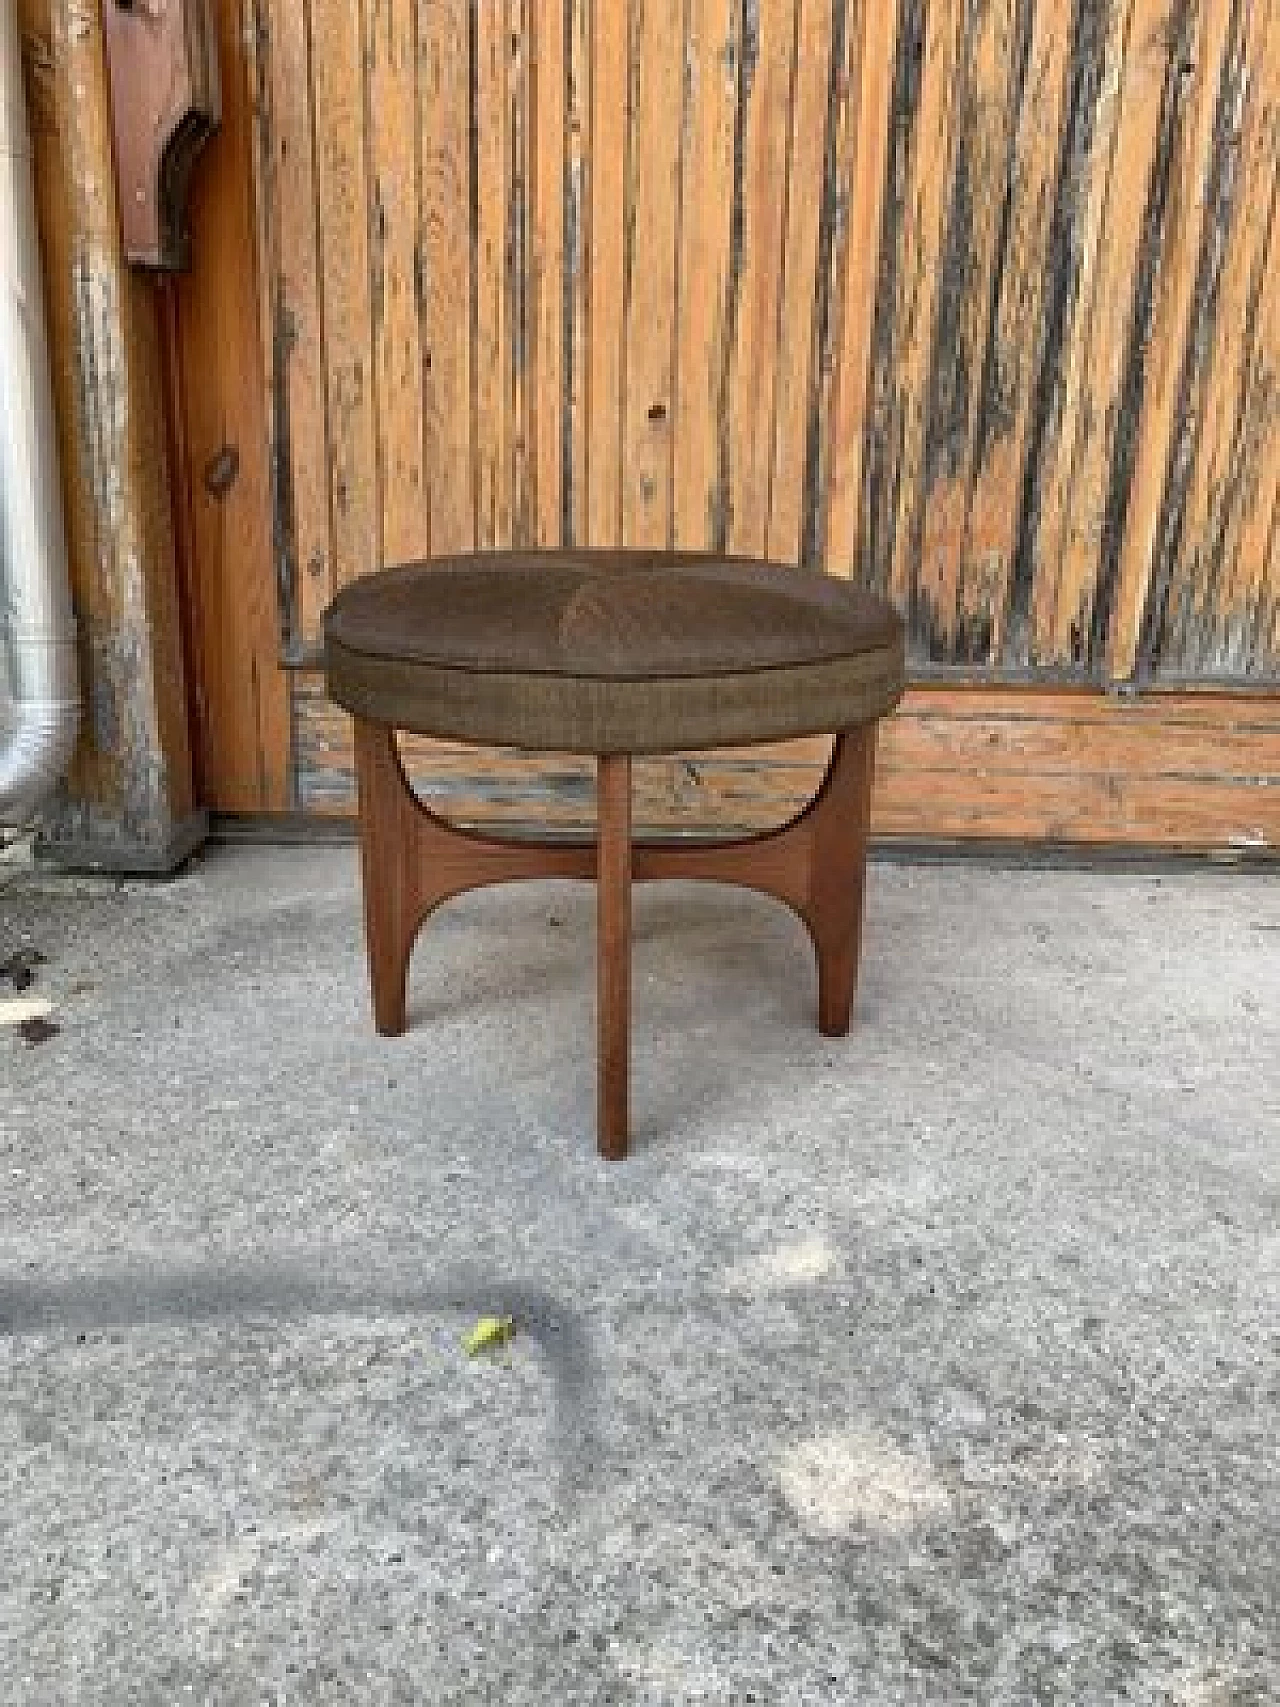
pixel 39 697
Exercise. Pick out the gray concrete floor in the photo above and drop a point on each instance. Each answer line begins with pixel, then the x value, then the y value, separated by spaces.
pixel 936 1365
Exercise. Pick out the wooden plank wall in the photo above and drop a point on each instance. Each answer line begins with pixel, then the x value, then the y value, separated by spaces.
pixel 973 300
pixel 1188 772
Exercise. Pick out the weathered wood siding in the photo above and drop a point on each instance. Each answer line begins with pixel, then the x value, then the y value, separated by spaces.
pixel 129 802
pixel 1193 772
pixel 974 300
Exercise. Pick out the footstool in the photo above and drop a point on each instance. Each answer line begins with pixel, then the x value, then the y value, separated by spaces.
pixel 612 654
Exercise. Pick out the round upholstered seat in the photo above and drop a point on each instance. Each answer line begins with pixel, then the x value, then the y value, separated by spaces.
pixel 611 652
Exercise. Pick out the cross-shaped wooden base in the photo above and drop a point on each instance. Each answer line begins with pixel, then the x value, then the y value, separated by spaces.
pixel 412 860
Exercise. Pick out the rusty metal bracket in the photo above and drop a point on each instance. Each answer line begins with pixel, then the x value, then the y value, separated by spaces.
pixel 166 101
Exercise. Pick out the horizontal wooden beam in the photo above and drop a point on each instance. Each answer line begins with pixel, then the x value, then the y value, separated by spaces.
pixel 1194 772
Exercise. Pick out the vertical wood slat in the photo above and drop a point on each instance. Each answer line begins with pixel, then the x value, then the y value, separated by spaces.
pixel 707 126
pixel 518 277
pixel 546 366
pixel 985 122
pixel 1226 630
pixel 766 129
pixel 870 61
pixel 1247 602
pixel 1021 343
pixel 1183 244
pixel 1057 474
pixel 1272 633
pixel 261 276
pixel 1208 614
pixel 656 73
pixel 1080 597
pixel 289 242
pixel 610 48
pixel 765 125
pixel 919 273
pixel 823 443
pixel 493 376
pixel 351 402
pixel 577 263
pixel 394 169
pixel 225 543
pixel 444 283
pixel 810 84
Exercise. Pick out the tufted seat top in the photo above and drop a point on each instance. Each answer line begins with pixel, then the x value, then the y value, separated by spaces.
pixel 617 651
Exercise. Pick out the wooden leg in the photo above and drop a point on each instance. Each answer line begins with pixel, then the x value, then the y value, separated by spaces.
pixel 412 861
pixel 389 874
pixel 613 954
pixel 816 864
pixel 838 872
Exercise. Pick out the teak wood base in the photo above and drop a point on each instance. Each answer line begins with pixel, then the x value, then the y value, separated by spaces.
pixel 412 861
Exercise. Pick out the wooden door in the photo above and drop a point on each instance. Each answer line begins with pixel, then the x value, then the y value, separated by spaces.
pixel 975 300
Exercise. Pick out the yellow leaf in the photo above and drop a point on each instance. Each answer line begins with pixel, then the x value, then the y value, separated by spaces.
pixel 489 1332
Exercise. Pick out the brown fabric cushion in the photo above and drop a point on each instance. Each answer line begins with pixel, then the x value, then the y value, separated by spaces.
pixel 611 651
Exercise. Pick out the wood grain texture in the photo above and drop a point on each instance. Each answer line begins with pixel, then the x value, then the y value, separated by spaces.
pixel 1022 347
pixel 577 268
pixel 1099 453
pixel 839 160
pixel 129 796
pixel 223 478
pixel 1054 788
pixel 1187 217
pixel 546 368
pixel 494 375
pixel 1197 772
pixel 858 210
pixel 1055 474
pixel 656 71
pixel 765 121
pixel 1248 587
pixel 987 110
pixel 445 287
pixel 706 229
pixel 922 291
pixel 611 33
pixel 395 196
pixel 343 189
pixel 920 238
pixel 973 301
pixel 293 317
pixel 192 618
pixel 810 85
pixel 519 276
pixel 1210 608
